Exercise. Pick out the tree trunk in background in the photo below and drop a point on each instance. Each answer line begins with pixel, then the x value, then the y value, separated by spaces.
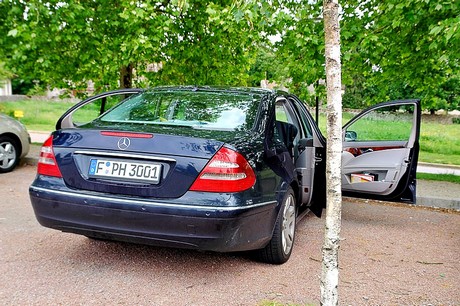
pixel 126 76
pixel 330 269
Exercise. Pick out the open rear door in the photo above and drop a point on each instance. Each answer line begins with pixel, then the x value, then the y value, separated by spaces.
pixel 380 152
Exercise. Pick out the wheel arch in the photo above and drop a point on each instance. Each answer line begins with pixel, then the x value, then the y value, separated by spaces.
pixel 16 139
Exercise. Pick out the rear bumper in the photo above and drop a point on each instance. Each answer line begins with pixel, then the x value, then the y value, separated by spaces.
pixel 165 223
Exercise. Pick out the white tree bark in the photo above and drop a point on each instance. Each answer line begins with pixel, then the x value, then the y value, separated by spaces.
pixel 330 268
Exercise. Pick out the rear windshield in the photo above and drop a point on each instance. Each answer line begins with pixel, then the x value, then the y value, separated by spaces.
pixel 226 111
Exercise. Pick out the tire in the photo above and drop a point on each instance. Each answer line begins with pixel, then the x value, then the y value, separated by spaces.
pixel 9 154
pixel 279 249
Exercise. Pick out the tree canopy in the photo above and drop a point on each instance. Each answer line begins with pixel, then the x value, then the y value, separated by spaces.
pixel 390 49
pixel 410 46
pixel 68 43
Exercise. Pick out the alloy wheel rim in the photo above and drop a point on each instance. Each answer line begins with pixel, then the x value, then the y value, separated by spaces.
pixel 288 225
pixel 7 155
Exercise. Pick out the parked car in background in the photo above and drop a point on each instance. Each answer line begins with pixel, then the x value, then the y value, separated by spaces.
pixel 218 169
pixel 14 143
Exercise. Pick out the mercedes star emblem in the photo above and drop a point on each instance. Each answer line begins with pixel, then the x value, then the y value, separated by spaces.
pixel 123 143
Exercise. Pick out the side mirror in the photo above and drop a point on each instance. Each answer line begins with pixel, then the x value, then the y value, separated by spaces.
pixel 351 136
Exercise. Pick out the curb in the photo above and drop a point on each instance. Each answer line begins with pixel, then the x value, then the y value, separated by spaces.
pixel 438 203
pixel 438 169
pixel 444 166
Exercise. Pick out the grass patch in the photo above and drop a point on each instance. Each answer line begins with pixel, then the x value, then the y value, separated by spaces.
pixel 439 177
pixel 438 158
pixel 39 115
pixel 440 143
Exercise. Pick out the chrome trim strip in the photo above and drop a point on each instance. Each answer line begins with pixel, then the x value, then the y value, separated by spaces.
pixel 158 204
pixel 124 155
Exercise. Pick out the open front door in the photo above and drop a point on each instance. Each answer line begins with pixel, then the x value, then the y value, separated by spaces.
pixel 380 152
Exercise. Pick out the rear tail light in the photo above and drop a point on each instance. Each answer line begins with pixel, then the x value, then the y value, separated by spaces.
pixel 227 171
pixel 47 164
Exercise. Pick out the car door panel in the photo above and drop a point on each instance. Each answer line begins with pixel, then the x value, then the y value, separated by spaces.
pixel 371 146
pixel 375 172
pixel 305 168
pixel 380 152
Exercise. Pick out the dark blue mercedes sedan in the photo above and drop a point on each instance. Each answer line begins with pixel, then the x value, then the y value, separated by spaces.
pixel 218 169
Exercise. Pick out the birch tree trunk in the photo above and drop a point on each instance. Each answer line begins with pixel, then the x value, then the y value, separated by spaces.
pixel 330 269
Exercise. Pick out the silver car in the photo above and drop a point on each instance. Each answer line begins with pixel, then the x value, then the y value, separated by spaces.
pixel 14 143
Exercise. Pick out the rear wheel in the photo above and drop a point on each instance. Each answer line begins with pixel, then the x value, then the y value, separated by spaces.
pixel 280 246
pixel 9 154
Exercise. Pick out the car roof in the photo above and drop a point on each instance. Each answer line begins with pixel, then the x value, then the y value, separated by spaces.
pixel 226 89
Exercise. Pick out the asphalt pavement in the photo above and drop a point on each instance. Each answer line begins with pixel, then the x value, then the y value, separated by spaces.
pixel 429 193
pixel 389 255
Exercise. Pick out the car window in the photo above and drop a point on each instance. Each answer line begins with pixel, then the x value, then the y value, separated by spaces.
pixel 90 111
pixel 283 114
pixel 200 110
pixel 384 124
pixel 303 118
pixel 285 123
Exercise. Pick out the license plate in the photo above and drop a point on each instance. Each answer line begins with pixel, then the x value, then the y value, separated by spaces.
pixel 145 172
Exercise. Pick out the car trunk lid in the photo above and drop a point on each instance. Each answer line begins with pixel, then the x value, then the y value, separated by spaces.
pixel 130 163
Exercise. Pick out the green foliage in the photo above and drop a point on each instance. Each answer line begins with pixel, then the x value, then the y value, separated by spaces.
pixel 4 73
pixel 266 66
pixel 356 95
pixel 448 93
pixel 390 50
pixel 399 46
pixel 22 86
pixel 302 45
pixel 65 44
